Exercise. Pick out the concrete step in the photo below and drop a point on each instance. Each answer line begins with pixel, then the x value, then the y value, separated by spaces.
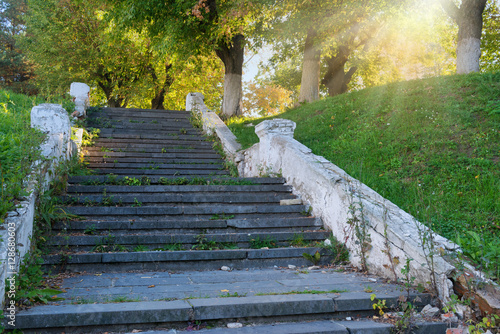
pixel 89 179
pixel 186 209
pixel 150 149
pixel 115 261
pixel 180 189
pixel 187 241
pixel 117 142
pixel 153 165
pixel 163 135
pixel 111 199
pixel 297 224
pixel 166 159
pixel 128 301
pixel 161 171
pixel 153 156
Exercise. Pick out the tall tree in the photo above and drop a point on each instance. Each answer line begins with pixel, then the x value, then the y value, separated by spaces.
pixel 334 29
pixel 469 18
pixel 197 27
pixel 70 40
pixel 15 70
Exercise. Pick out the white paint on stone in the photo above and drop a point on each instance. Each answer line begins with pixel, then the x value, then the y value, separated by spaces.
pixel 80 93
pixel 468 54
pixel 213 124
pixel 53 120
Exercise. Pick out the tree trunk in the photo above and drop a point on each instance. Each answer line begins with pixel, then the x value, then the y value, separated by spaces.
pixel 232 57
pixel 309 84
pixel 335 79
pixel 469 18
pixel 160 91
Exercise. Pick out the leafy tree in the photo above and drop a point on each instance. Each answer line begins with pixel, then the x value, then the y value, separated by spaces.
pixel 469 18
pixel 192 27
pixel 335 30
pixel 266 98
pixel 70 40
pixel 15 70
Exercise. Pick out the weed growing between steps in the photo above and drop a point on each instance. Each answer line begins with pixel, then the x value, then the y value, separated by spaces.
pixel 145 181
pixel 229 165
pixel 304 292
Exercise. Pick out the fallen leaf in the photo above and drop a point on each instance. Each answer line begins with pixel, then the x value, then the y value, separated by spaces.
pixel 224 290
pixel 151 286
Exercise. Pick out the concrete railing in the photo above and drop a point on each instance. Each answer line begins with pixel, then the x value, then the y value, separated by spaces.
pixel 342 202
pixel 212 124
pixel 17 229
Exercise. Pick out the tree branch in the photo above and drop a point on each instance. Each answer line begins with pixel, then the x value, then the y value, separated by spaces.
pixel 450 8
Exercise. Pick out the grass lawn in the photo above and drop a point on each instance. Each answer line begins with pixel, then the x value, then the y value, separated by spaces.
pixel 430 146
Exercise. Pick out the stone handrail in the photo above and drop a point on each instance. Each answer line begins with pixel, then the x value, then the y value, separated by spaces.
pixel 213 124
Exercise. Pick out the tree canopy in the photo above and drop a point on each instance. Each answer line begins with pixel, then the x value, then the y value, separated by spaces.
pixel 152 53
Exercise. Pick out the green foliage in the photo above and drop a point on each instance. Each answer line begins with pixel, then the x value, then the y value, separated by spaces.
pixel 337 250
pixel 267 242
pixel 221 216
pixel 379 305
pixel 19 147
pixel 490 39
pixel 15 70
pixel 313 258
pixel 424 143
pixel 30 284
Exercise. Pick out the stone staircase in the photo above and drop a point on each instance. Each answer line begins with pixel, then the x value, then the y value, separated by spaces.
pixel 168 241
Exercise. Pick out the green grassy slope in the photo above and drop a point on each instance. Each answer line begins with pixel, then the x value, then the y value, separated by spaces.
pixel 431 146
pixel 18 146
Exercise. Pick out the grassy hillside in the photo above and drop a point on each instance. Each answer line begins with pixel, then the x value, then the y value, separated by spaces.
pixel 19 145
pixel 431 146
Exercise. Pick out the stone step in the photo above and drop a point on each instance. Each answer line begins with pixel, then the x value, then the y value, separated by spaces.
pixel 161 171
pixel 185 209
pixel 111 199
pixel 297 224
pixel 153 156
pixel 111 142
pixel 134 112
pixel 150 149
pixel 112 133
pixel 152 165
pixel 165 129
pixel 185 241
pixel 170 159
pixel 113 260
pixel 355 326
pixel 182 189
pixel 88 179
pixel 138 301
